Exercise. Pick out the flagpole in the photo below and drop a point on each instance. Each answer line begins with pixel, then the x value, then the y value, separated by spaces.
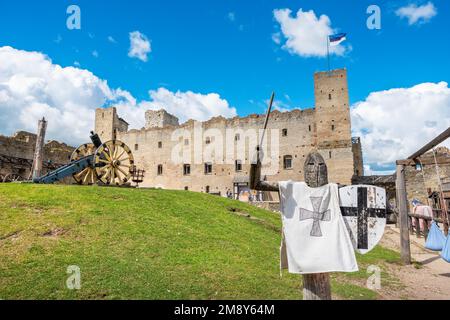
pixel 328 53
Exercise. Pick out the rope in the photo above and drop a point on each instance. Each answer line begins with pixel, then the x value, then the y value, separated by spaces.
pixel 424 181
pixel 444 205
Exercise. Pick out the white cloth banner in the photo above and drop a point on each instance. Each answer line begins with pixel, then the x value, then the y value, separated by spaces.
pixel 315 238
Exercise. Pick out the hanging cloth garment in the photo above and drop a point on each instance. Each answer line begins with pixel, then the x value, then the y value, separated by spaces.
pixel 445 254
pixel 436 239
pixel 315 238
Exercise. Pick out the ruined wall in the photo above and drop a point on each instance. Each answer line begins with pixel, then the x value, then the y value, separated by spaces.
pixel 416 185
pixel 108 123
pixel 159 119
pixel 16 154
pixel 325 128
pixel 148 154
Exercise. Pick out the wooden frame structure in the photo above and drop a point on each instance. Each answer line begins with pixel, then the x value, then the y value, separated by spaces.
pixel 402 201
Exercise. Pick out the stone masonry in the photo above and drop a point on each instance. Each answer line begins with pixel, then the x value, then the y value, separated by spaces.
pixel 418 182
pixel 326 128
pixel 16 154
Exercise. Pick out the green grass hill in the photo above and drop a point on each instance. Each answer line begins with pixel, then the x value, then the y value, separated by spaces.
pixel 148 244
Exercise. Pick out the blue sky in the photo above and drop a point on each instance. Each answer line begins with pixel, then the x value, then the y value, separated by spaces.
pixel 196 47
pixel 227 47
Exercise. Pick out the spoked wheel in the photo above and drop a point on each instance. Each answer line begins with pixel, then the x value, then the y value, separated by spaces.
pixel 12 177
pixel 113 162
pixel 88 176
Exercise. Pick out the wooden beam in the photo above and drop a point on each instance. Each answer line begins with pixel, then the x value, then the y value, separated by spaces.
pixel 409 162
pixel 439 139
pixel 419 216
pixel 402 202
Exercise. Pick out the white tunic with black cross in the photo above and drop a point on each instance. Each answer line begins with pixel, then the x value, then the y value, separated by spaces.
pixel 315 238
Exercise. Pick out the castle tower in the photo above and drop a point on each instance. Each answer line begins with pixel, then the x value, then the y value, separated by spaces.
pixel 332 107
pixel 108 123
pixel 333 125
pixel 159 119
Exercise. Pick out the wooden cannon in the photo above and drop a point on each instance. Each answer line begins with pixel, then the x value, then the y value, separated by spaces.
pixel 110 163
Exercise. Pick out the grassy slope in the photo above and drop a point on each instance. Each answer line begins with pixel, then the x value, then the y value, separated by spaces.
pixel 149 244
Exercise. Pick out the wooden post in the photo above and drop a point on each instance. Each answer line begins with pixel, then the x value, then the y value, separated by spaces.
pixel 316 286
pixel 403 215
pixel 39 151
pixel 425 229
pixel 417 220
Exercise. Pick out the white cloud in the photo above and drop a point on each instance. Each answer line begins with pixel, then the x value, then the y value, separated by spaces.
pixel 95 53
pixel 111 39
pixel 279 105
pixel 189 105
pixel 140 46
pixel 77 64
pixel 397 122
pixel 276 37
pixel 417 14
pixel 306 34
pixel 58 39
pixel 31 86
pixel 231 16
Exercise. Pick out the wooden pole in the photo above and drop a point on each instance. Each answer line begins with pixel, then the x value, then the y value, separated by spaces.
pixel 39 151
pixel 316 286
pixel 439 139
pixel 403 215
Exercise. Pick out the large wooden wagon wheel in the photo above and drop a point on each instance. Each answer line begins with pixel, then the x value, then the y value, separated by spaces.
pixel 113 162
pixel 12 177
pixel 88 176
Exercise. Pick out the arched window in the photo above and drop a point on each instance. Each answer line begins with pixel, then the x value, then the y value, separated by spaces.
pixel 160 169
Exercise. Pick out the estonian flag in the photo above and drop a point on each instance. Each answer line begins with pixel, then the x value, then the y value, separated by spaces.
pixel 337 39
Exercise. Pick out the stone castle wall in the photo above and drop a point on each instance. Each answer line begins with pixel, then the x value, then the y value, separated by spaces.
pixel 159 119
pixel 17 152
pixel 325 128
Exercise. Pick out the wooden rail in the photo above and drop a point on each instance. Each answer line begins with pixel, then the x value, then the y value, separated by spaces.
pixel 417 229
pixel 402 201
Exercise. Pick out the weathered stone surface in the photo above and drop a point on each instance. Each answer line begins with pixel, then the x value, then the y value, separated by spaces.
pixel 159 119
pixel 417 186
pixel 20 150
pixel 325 128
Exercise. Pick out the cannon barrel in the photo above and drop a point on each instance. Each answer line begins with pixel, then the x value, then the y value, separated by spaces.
pixel 96 140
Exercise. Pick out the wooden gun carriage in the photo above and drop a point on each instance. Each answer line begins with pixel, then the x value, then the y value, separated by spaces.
pixel 109 163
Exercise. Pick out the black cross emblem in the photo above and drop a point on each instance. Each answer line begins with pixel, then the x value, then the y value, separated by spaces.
pixel 318 214
pixel 362 212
